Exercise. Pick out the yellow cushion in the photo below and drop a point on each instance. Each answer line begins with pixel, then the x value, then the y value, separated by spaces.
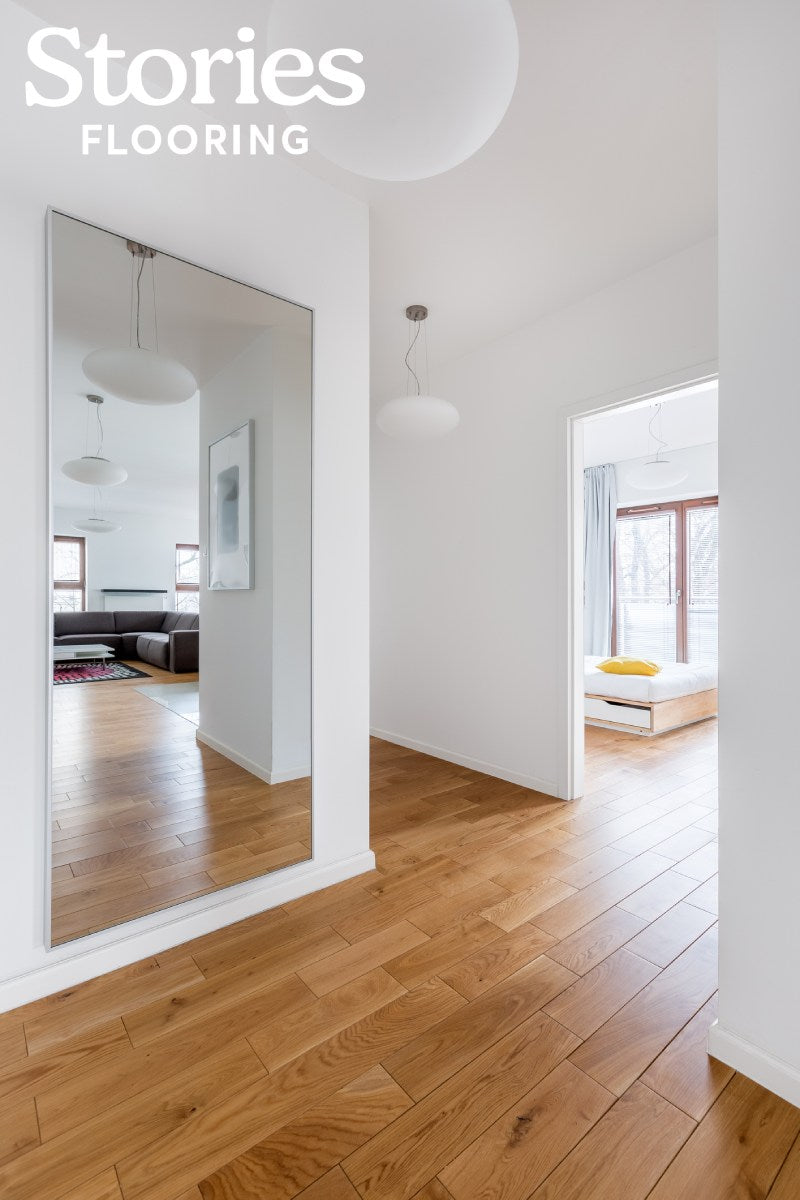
pixel 623 665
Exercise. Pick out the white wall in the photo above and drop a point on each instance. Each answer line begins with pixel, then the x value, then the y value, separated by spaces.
pixel 140 555
pixel 291 603
pixel 268 223
pixel 759 994
pixel 702 479
pixel 236 645
pixel 467 600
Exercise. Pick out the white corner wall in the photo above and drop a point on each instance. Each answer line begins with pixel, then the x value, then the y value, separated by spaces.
pixel 468 607
pixel 268 223
pixel 758 1030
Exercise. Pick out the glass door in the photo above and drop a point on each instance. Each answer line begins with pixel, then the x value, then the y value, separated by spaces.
pixel 702 580
pixel 647 583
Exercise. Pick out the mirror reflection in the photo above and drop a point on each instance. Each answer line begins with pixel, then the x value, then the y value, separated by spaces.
pixel 180 445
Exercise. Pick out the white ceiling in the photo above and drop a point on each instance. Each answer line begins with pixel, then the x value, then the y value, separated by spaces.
pixel 604 164
pixel 204 320
pixel 688 418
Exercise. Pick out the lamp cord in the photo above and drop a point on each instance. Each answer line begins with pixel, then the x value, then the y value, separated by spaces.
pixel 139 303
pixel 408 355
pixel 656 436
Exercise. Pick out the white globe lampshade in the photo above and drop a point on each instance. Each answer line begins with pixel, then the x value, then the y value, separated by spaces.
pixel 141 376
pixel 96 525
pixel 657 474
pixel 418 417
pixel 96 471
pixel 439 77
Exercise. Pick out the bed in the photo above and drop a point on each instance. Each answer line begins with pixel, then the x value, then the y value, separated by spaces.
pixel 650 704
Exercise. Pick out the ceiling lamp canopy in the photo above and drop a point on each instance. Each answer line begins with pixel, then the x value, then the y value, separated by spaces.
pixel 658 472
pixel 94 469
pixel 418 414
pixel 439 77
pixel 135 372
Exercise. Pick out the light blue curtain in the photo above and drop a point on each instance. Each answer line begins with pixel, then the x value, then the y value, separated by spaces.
pixel 599 528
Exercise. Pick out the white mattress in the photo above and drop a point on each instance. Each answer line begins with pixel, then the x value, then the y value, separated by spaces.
pixel 674 680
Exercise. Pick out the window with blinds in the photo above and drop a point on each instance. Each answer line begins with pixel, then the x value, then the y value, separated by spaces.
pixel 666 581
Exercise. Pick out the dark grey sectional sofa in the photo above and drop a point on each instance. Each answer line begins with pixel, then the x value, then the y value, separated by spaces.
pixel 169 640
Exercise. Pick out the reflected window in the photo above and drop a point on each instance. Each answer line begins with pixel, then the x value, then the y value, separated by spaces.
pixel 69 574
pixel 187 578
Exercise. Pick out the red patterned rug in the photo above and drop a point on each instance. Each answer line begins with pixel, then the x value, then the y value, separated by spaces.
pixel 99 672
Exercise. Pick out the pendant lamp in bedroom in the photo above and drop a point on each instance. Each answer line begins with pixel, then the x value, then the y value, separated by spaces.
pixel 659 472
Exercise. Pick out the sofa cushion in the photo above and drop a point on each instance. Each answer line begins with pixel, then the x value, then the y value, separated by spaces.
pixel 187 621
pixel 128 645
pixel 170 621
pixel 138 622
pixel 112 640
pixel 66 623
pixel 154 648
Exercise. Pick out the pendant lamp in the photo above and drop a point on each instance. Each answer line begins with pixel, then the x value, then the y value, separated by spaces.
pixel 438 74
pixel 95 523
pixel 658 472
pixel 134 372
pixel 94 469
pixel 417 415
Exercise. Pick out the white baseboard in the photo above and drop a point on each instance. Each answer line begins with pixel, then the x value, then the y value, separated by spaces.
pixel 757 1064
pixel 88 957
pixel 547 786
pixel 254 768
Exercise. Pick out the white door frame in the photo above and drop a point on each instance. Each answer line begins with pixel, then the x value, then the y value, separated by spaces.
pixel 570 583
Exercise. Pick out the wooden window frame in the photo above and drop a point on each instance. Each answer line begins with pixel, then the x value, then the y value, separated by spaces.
pixel 73 585
pixel 184 587
pixel 681 509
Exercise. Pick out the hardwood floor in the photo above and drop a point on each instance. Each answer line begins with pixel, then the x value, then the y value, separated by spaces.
pixel 144 816
pixel 513 1005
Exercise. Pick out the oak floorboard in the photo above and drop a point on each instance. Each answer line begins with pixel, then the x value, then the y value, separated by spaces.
pixel 665 938
pixel 320 1018
pixel 589 945
pixel 102 1187
pixel 479 972
pixel 625 1045
pixel 433 1057
pixel 740 1145
pixel 177 1159
pixel 787 1184
pixel 513 1156
pixel 624 1154
pixel 303 1151
pixel 595 997
pixel 398 1162
pixel 685 1073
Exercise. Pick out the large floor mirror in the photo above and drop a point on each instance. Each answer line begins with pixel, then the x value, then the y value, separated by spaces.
pixel 180 449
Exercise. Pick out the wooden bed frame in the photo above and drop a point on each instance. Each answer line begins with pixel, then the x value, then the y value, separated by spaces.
pixel 649 718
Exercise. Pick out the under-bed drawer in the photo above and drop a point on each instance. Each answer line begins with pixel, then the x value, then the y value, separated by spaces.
pixel 616 712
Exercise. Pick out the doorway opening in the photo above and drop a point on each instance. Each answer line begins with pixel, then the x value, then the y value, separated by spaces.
pixel 643 585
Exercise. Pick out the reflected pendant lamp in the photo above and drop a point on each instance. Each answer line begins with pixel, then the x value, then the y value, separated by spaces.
pixel 438 79
pixel 134 372
pixel 95 523
pixel 94 469
pixel 658 472
pixel 417 415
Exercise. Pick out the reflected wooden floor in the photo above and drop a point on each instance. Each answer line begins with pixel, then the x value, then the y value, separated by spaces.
pixel 144 817
pixel 514 1005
